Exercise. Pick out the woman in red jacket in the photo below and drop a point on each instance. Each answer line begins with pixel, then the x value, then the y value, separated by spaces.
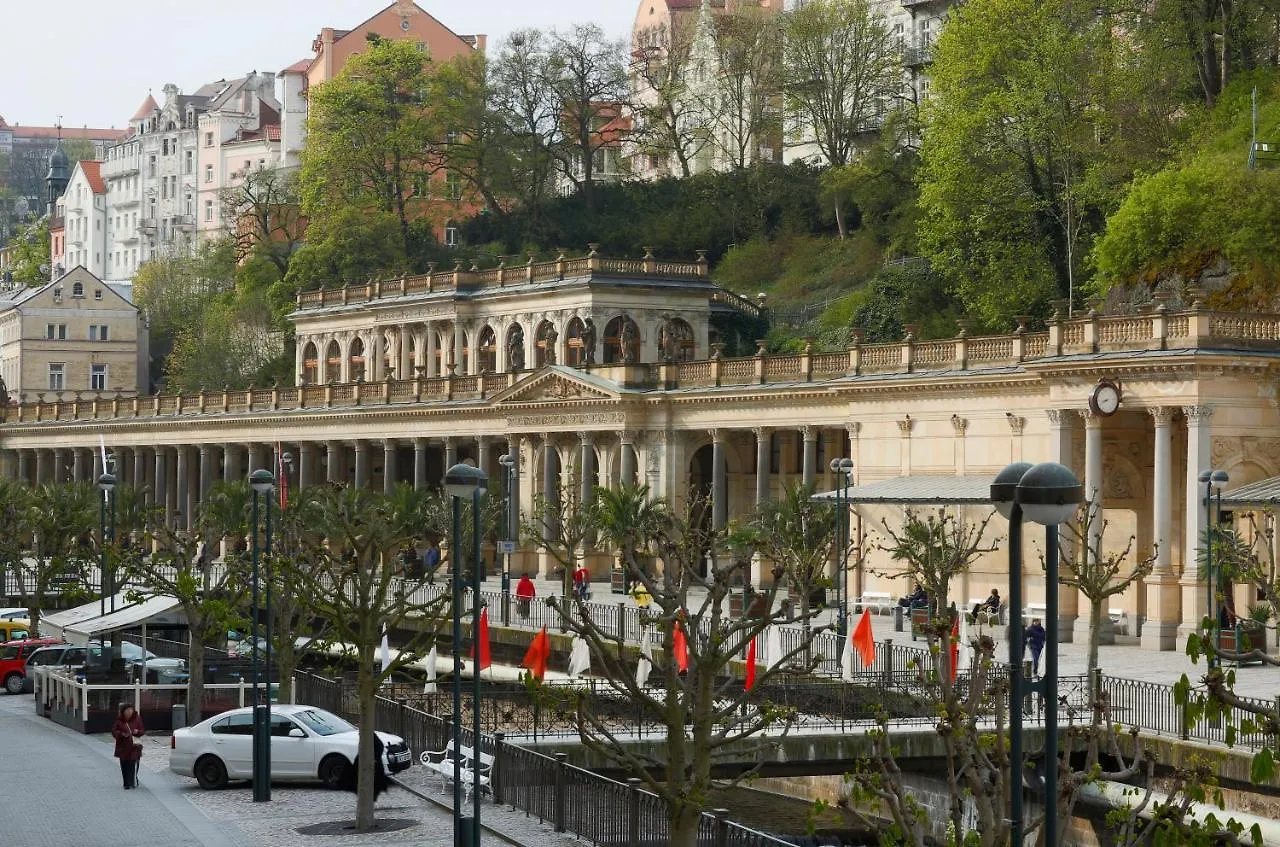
pixel 126 731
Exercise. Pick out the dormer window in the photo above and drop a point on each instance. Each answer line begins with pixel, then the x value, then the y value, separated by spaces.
pixel 57 294
pixel 77 289
pixel 97 294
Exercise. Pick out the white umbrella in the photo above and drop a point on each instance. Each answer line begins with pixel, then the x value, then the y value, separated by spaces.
pixel 430 687
pixel 579 657
pixel 773 646
pixel 645 663
pixel 384 653
pixel 846 660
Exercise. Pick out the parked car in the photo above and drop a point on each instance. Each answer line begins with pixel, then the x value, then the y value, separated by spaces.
pixel 7 612
pixel 159 670
pixel 16 629
pixel 307 743
pixel 13 662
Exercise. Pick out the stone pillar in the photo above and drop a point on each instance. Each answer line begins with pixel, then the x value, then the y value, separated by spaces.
pixel 44 459
pixel 627 458
pixel 231 463
pixel 405 369
pixel 550 462
pixel 24 467
pixel 77 465
pixel 374 358
pixel 255 458
pixel 587 461
pixel 483 445
pixel 362 463
pixel 1060 450
pixel 335 472
pixel 1160 629
pixel 306 464
pixel 429 351
pixel 450 453
pixel 1195 597
pixel 419 463
pixel 206 470
pixel 182 486
pixel 459 347
pixel 1093 486
pixel 764 455
pixel 160 484
pixel 138 478
pixel 388 465
pixel 719 490
pixel 809 472
pixel 173 502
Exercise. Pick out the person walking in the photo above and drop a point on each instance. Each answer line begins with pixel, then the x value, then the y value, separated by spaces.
pixel 431 560
pixel 582 582
pixel 126 731
pixel 1035 640
pixel 641 595
pixel 525 592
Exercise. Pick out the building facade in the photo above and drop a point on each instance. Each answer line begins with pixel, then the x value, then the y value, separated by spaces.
pixel 81 240
pixel 73 337
pixel 239 132
pixel 400 379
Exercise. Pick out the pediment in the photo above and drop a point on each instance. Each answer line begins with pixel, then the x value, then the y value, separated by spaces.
pixel 554 385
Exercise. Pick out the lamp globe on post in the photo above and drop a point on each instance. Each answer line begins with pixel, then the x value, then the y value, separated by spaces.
pixel 262 482
pixel 843 470
pixel 463 482
pixel 107 485
pixel 508 462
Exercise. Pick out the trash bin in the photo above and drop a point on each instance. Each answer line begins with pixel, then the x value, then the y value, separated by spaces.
pixel 897 619
pixel 179 719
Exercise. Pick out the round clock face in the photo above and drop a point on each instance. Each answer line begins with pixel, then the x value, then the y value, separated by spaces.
pixel 1106 398
pixel 404 24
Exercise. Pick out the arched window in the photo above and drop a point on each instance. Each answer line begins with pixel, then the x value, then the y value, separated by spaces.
pixel 675 341
pixel 621 341
pixel 333 363
pixel 355 356
pixel 412 340
pixel 310 363
pixel 77 289
pixel 515 348
pixel 487 351
pixel 545 344
pixel 574 354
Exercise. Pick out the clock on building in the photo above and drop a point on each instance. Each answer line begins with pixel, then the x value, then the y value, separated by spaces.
pixel 1105 399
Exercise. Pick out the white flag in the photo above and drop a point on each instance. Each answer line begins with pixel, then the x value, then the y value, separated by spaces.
pixel 385 651
pixel 773 645
pixel 964 654
pixel 645 663
pixel 579 657
pixel 430 687
pixel 846 660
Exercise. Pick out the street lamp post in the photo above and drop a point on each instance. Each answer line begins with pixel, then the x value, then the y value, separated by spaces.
pixel 511 525
pixel 262 482
pixel 106 535
pixel 1213 481
pixel 1047 494
pixel 465 482
pixel 843 469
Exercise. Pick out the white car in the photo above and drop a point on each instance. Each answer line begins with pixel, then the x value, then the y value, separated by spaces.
pixel 307 743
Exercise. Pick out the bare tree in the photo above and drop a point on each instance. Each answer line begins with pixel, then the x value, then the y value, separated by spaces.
pixel 265 214
pixel 562 528
pixel 668 115
pixel 707 715
pixel 741 99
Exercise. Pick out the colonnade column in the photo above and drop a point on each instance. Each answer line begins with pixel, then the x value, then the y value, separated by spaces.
pixel 719 490
pixel 809 473
pixel 334 469
pixel 139 477
pixel 181 487
pixel 306 464
pixel 231 469
pixel 160 486
pixel 388 465
pixel 405 369
pixel 450 453
pixel 1061 424
pixel 77 466
pixel 428 353
pixel 24 466
pixel 1195 604
pixel 253 458
pixel 362 463
pixel 419 463
pixel 1093 486
pixel 627 459
pixel 42 466
pixel 587 463
pixel 1160 629
pixel 550 459
pixel 482 453
pixel 764 440
pixel 206 470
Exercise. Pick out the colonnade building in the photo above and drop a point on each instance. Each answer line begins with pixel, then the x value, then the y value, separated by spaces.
pixel 604 371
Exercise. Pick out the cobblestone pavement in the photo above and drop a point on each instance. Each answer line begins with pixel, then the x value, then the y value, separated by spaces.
pixel 69 795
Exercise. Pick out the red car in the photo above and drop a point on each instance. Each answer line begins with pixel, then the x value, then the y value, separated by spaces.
pixel 13 661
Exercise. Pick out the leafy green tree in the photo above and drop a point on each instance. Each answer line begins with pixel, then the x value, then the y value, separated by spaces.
pixel 370 141
pixel 59 520
pixel 478 146
pixel 352 582
pixel 1038 115
pixel 31 253
pixel 739 104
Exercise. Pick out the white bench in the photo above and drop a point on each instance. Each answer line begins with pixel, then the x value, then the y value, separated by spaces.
pixel 471 763
pixel 881 602
pixel 441 763
pixel 985 616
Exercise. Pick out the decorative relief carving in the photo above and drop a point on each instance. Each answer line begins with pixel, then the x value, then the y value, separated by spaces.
pixel 555 387
pixel 579 419
pixel 1016 424
pixel 961 425
pixel 905 425
pixel 1198 413
pixel 853 428
pixel 1163 415
pixel 1117 482
pixel 1059 417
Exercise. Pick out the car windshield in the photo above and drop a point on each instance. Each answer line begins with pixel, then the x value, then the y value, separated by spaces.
pixel 322 723
pixel 10 652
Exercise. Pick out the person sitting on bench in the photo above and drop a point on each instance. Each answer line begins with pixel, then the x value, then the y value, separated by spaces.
pixel 991 605
pixel 915 599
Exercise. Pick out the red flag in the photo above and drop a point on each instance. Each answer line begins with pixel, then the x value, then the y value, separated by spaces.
pixel 954 650
pixel 751 665
pixel 535 659
pixel 680 647
pixel 482 642
pixel 863 641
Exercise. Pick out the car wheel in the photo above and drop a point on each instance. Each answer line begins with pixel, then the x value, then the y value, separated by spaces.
pixel 333 768
pixel 14 683
pixel 211 773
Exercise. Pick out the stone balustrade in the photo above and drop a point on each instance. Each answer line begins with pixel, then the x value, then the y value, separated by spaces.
pixel 1159 330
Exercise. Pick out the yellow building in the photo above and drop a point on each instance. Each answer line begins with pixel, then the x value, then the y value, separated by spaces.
pixel 71 338
pixel 610 371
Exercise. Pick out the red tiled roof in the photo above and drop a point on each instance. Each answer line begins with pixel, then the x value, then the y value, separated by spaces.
pixel 2 123
pixel 273 132
pixel 93 173
pixel 298 67
pixel 67 132
pixel 148 106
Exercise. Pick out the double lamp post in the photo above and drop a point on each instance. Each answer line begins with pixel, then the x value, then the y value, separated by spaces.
pixel 263 483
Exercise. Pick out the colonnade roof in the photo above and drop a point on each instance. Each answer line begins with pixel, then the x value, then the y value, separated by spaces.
pixel 917 490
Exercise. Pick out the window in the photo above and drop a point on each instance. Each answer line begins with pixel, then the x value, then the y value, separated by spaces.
pixel 208 173
pixel 151 166
pixel 454 186
pixel 98 377
pixel 451 236
pixel 190 165
pixel 98 332
pixel 190 205
pixel 50 329
pixel 164 147
pixel 241 724
pixel 281 725
pixel 208 210
pixel 77 289
pixel 208 139
pixel 62 332
pixel 248 163
pixel 56 374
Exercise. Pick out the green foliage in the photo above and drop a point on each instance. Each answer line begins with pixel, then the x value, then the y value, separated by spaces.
pixel 908 291
pixel 31 253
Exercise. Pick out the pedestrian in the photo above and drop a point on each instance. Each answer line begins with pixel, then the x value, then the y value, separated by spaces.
pixel 126 731
pixel 641 595
pixel 525 592
pixel 582 582
pixel 350 780
pixel 1035 640
pixel 431 560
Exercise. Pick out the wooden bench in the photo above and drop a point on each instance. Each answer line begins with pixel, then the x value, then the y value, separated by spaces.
pixel 879 602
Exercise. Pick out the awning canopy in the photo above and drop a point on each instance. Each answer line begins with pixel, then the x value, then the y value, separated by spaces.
pixel 1264 492
pixel 918 490
pixel 83 623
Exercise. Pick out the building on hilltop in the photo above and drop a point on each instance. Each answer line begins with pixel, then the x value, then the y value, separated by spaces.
pixel 78 230
pixel 70 338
